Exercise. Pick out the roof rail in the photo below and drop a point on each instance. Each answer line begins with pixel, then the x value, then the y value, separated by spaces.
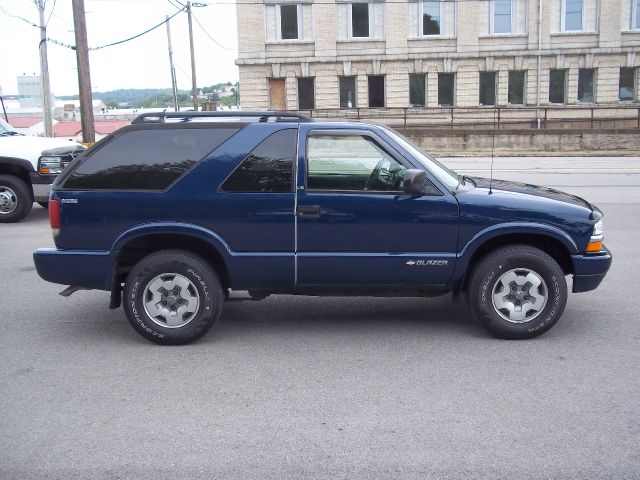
pixel 160 117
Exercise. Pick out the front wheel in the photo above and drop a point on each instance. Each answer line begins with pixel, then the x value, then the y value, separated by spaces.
pixel 517 292
pixel 15 199
pixel 172 297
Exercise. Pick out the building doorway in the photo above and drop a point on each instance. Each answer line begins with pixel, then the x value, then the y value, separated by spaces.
pixel 277 97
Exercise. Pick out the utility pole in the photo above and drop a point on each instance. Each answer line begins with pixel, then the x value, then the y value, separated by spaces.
pixel 194 87
pixel 174 87
pixel 44 73
pixel 84 74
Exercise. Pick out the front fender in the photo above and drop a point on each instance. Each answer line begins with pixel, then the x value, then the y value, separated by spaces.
pixel 494 231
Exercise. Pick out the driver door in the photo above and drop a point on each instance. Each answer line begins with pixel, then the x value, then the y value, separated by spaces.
pixel 356 226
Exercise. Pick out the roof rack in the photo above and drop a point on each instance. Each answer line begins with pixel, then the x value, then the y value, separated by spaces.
pixel 161 117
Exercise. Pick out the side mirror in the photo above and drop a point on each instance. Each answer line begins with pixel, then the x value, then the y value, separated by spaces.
pixel 414 181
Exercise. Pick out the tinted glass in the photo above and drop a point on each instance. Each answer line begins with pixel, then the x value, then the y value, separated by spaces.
pixel 431 18
pixel 446 87
pixel 627 84
pixel 502 16
pixel 351 162
pixel 306 93
pixel 516 87
pixel 146 159
pixel 573 15
pixel 289 22
pixel 487 88
pixel 376 91
pixel 360 19
pixel 586 85
pixel 556 86
pixel 268 168
pixel 347 92
pixel 417 90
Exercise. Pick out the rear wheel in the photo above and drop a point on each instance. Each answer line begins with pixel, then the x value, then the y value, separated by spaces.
pixel 15 199
pixel 172 297
pixel 517 292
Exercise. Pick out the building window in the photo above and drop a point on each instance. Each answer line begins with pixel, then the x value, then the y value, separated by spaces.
pixel 306 94
pixel 586 85
pixel 347 92
pixel 557 86
pixel 376 91
pixel 446 89
pixel 487 88
pixel 627 89
pixel 635 22
pixel 431 15
pixel 289 22
pixel 417 89
pixel 359 19
pixel 516 87
pixel 572 11
pixel 501 16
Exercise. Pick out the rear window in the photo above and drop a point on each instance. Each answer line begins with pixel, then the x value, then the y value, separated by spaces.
pixel 146 159
pixel 268 167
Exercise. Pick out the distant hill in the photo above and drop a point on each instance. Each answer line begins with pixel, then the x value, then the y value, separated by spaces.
pixel 150 97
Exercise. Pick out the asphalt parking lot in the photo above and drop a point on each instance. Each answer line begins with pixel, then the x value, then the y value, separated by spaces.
pixel 329 387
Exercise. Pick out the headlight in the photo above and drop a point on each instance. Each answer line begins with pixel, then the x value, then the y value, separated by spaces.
pixel 50 165
pixel 595 242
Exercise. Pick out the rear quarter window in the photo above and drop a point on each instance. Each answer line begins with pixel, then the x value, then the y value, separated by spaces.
pixel 146 159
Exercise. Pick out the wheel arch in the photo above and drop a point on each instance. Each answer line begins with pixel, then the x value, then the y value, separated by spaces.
pixel 551 241
pixel 136 244
pixel 17 167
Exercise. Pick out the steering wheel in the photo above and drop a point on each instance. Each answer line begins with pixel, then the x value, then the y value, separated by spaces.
pixel 376 174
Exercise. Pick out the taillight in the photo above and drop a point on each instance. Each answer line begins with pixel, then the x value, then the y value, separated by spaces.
pixel 54 216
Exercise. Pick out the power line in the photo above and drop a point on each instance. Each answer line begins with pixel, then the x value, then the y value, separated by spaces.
pixel 50 14
pixel 73 47
pixel 173 4
pixel 19 17
pixel 210 37
pixel 138 35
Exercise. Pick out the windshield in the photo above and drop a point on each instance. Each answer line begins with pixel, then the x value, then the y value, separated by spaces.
pixel 5 127
pixel 446 176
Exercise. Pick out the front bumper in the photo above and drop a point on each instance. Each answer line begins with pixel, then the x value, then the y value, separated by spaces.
pixel 41 186
pixel 590 270
pixel 78 268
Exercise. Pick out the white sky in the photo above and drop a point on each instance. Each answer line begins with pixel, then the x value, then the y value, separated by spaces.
pixel 140 63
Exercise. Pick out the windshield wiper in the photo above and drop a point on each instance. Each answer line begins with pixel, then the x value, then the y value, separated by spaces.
pixel 5 134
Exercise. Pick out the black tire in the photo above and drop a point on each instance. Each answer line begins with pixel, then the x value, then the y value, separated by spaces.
pixel 15 199
pixel 491 276
pixel 162 269
pixel 44 204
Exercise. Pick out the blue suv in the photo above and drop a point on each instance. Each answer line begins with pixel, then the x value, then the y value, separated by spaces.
pixel 173 212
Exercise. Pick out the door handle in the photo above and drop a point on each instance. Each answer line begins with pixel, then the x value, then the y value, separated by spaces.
pixel 309 211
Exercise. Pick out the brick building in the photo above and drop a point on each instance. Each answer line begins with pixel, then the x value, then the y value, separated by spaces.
pixel 330 54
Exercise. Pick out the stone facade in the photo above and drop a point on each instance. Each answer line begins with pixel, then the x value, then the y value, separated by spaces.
pixel 603 35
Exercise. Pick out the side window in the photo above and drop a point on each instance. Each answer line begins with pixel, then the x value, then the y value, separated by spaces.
pixel 351 162
pixel 269 166
pixel 146 159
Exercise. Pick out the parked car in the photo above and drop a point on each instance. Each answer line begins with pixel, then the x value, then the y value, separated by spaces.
pixel 28 167
pixel 173 212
